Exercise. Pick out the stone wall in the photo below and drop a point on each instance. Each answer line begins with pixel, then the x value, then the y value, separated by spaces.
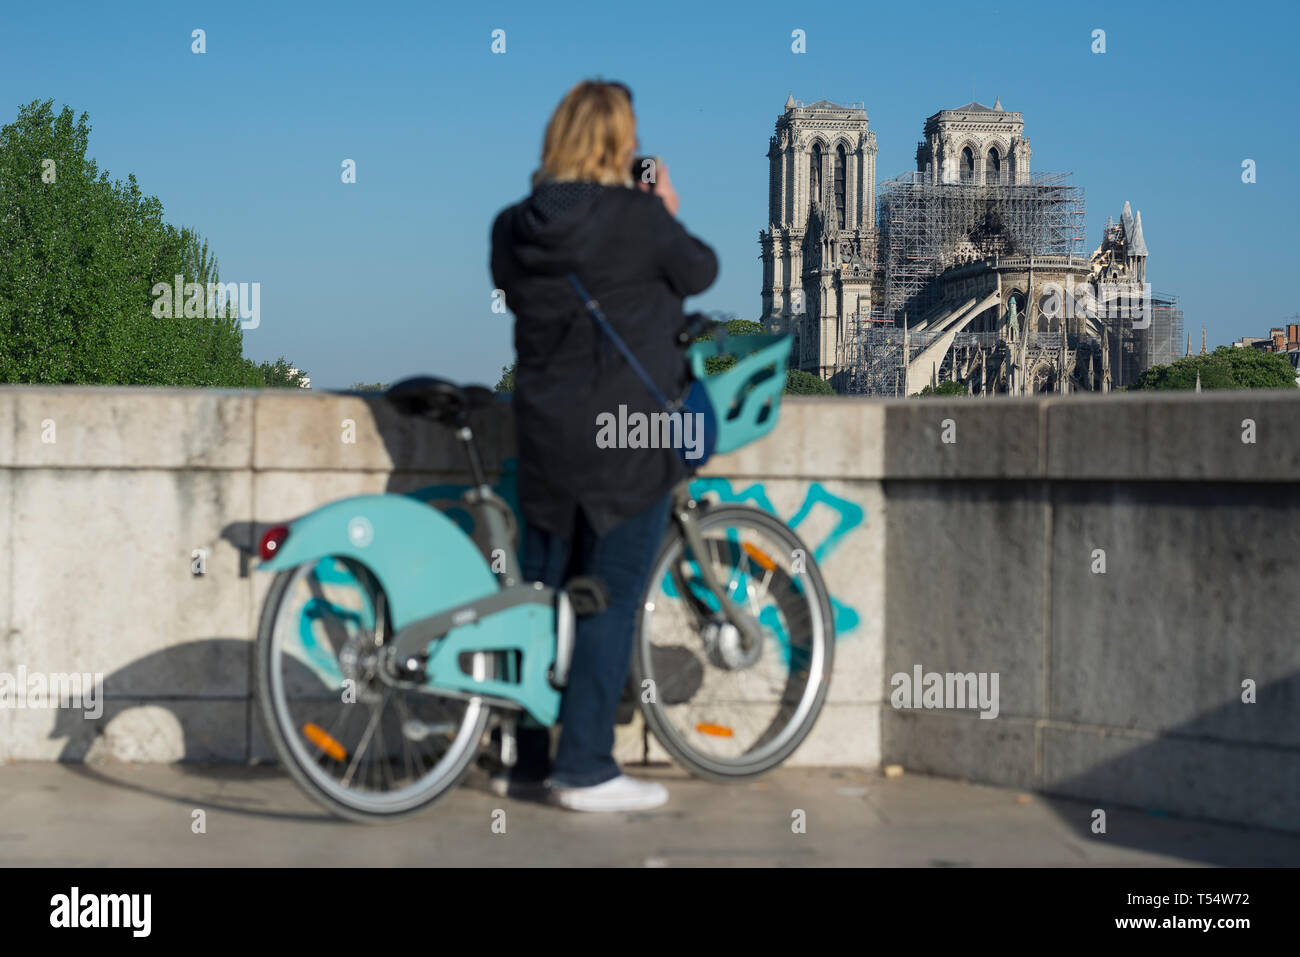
pixel 960 536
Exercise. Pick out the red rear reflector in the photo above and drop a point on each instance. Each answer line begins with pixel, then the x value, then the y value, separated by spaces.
pixel 272 541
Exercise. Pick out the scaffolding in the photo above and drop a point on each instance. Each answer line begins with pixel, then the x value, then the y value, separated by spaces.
pixel 872 353
pixel 925 228
pixel 1164 337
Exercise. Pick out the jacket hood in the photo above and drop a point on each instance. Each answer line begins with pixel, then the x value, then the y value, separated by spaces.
pixel 546 229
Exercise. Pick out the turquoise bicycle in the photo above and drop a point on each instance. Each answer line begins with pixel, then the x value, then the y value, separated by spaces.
pixel 390 641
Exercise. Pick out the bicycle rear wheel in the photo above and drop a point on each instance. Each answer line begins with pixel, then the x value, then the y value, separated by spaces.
pixel 361 748
pixel 723 710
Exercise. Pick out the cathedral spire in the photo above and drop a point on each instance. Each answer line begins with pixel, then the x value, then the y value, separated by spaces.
pixel 998 105
pixel 1136 244
pixel 789 101
pixel 1202 340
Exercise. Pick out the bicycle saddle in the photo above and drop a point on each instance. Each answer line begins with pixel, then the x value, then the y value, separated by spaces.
pixel 438 399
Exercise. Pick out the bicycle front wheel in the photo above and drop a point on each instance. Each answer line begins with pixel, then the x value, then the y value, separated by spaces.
pixel 723 707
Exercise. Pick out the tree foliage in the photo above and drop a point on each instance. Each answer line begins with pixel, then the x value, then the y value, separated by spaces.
pixel 79 257
pixel 280 375
pixel 799 382
pixel 1227 367
pixel 946 388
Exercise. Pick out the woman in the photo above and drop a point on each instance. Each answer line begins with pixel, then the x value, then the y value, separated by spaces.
pixel 591 510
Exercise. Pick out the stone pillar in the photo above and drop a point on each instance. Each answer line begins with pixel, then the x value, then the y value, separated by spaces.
pixel 850 190
pixel 871 185
pixel 828 186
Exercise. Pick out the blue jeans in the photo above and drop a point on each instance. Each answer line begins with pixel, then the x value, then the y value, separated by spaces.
pixel 603 643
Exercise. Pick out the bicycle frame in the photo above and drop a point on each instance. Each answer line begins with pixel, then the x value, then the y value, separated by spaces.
pixel 426 565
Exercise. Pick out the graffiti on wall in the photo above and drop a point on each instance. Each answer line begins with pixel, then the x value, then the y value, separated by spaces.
pixel 848 516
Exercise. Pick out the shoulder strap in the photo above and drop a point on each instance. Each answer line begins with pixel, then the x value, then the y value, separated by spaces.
pixel 602 323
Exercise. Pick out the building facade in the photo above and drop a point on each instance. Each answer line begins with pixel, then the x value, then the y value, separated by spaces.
pixel 970 269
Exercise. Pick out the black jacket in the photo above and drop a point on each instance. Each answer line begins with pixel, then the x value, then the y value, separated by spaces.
pixel 639 263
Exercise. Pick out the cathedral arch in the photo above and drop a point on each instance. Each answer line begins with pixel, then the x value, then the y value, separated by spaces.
pixel 1018 297
pixel 993 165
pixel 840 185
pixel 966 163
pixel 815 152
pixel 1042 378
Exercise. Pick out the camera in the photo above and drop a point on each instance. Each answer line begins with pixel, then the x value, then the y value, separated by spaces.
pixel 644 169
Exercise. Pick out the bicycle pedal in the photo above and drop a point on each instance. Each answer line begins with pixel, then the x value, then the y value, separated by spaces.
pixel 588 595
pixel 415 730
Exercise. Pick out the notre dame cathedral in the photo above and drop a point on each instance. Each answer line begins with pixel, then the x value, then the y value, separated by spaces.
pixel 969 269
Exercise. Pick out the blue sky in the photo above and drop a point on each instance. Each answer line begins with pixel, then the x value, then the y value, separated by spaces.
pixel 388 276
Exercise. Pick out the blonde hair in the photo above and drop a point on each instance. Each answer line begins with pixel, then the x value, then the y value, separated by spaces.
pixel 590 137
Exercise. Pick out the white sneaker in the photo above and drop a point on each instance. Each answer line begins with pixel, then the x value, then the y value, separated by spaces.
pixel 617 794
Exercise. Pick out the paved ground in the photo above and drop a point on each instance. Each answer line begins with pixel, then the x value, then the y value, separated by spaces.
pixel 78 815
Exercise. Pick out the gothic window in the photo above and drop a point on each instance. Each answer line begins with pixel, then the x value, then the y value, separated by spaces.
pixel 1018 298
pixel 815 174
pixel 774 191
pixel 967 165
pixel 841 163
pixel 993 167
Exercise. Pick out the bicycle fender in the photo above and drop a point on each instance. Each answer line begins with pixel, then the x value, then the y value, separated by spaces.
pixel 423 561
pixel 425 565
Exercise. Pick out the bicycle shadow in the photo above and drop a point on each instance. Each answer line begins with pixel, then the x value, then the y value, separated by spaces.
pixel 193 731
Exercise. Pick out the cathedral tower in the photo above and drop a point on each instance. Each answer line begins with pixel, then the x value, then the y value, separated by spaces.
pixel 975 144
pixel 818 248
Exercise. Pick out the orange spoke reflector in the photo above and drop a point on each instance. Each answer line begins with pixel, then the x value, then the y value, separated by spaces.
pixel 717 730
pixel 759 556
pixel 321 738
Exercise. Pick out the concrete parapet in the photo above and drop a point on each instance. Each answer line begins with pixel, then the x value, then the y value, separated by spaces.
pixel 1129 567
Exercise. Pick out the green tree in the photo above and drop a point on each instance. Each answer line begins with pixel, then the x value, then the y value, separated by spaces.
pixel 372 387
pixel 507 381
pixel 79 257
pixel 798 382
pixel 1227 367
pixel 735 327
pixel 281 375
pixel 946 387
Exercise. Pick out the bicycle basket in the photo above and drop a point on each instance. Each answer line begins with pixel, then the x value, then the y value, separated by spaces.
pixel 747 397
